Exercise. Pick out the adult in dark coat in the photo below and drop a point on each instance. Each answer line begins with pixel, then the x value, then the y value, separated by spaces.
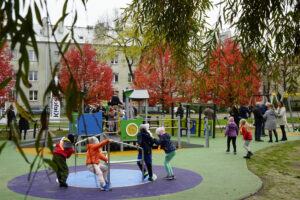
pixel 263 109
pixel 23 126
pixel 258 121
pixel 236 115
pixel 10 118
pixel 180 113
pixel 244 112
pixel 209 113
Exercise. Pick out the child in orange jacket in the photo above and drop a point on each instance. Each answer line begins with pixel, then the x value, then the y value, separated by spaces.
pixel 247 137
pixel 93 161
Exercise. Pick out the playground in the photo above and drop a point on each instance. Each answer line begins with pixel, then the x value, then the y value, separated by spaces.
pixel 208 173
pixel 201 165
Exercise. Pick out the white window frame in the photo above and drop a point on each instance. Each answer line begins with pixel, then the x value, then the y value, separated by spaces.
pixel 32 56
pixel 33 95
pixel 115 78
pixel 115 60
pixel 33 76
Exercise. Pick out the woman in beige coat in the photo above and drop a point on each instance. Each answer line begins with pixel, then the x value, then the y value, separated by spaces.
pixel 281 113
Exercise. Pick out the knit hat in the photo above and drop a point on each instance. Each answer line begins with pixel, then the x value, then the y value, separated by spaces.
pixel 231 119
pixel 93 140
pixel 71 138
pixel 159 130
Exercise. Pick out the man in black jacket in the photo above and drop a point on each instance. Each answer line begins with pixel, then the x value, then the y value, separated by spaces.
pixel 10 118
pixel 258 122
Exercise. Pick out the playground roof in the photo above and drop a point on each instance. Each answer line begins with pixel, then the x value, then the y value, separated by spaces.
pixel 139 94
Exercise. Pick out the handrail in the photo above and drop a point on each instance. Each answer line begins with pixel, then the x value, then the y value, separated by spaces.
pixel 130 145
pixel 108 155
pixel 76 154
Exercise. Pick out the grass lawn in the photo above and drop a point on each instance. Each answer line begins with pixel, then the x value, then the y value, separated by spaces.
pixel 279 168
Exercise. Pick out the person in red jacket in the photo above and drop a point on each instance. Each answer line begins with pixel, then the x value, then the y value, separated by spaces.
pixel 63 150
pixel 247 137
pixel 93 158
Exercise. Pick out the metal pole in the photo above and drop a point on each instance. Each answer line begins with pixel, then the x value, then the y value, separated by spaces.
pixel 214 121
pixel 178 131
pixel 206 132
pixel 108 164
pixel 291 112
pixel 172 117
pixel 146 110
pixel 142 165
pixel 162 120
pixel 188 130
pixel 126 109
pixel 200 121
pixel 75 158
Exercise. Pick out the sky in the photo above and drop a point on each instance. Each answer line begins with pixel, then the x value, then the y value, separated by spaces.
pixel 96 10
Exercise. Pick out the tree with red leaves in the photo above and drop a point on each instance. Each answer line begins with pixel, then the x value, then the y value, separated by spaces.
pixel 231 79
pixel 6 71
pixel 92 77
pixel 156 73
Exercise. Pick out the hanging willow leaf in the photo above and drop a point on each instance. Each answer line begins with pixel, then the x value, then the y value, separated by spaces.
pixel 2 147
pixel 37 14
pixel 5 82
pixel 50 142
pixel 23 112
pixel 51 164
pixel 16 141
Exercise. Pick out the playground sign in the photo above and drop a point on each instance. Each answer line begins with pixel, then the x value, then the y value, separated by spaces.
pixel 130 128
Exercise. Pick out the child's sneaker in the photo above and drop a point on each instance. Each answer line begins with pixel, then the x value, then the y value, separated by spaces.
pixel 145 174
pixel 167 177
pixel 150 179
pixel 227 151
pixel 105 188
pixel 172 177
pixel 234 152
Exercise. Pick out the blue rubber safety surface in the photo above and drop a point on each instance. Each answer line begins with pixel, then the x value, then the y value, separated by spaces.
pixel 45 186
pixel 118 178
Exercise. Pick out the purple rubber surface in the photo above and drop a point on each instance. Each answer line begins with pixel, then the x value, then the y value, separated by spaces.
pixel 44 188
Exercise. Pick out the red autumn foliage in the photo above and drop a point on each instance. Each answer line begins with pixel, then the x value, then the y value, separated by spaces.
pixel 231 79
pixel 6 71
pixel 156 77
pixel 91 76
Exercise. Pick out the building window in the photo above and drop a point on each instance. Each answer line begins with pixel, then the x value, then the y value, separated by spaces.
pixel 129 78
pixel 14 54
pixel 33 95
pixel 115 60
pixel 56 53
pixel 32 56
pixel 115 78
pixel 33 75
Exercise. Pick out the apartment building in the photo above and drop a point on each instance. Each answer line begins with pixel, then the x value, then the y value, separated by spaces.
pixel 40 68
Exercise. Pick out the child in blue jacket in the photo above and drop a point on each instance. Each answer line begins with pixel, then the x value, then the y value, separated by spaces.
pixel 145 141
pixel 169 148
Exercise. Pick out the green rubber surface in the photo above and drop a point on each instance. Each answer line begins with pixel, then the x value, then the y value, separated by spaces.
pixel 225 175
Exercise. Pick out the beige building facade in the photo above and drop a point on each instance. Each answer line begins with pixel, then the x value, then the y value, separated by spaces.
pixel 40 68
